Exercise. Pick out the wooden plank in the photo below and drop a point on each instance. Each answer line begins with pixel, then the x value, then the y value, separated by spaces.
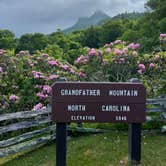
pixel 24 114
pixel 23 125
pixel 163 129
pixel 155 109
pixel 161 101
pixel 148 119
pixel 26 145
pixel 23 137
pixel 163 115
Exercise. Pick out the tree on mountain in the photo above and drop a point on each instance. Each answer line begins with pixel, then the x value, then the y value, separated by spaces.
pixel 32 42
pixel 91 37
pixel 110 31
pixel 7 39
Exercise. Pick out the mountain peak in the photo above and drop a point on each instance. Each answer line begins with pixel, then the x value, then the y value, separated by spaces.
pixel 99 13
pixel 85 22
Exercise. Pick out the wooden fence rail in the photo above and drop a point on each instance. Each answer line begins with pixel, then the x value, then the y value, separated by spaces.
pixel 30 129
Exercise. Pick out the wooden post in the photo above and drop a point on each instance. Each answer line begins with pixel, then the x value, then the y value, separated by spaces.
pixel 134 138
pixel 61 144
pixel 61 139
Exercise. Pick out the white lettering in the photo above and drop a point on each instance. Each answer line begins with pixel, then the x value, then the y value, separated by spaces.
pixel 121 118
pixel 76 107
pixel 80 92
pixel 81 117
pixel 115 108
pixel 123 93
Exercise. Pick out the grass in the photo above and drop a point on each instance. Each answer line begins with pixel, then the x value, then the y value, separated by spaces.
pixel 108 149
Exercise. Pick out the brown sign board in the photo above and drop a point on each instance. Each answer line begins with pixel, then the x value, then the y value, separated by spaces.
pixel 98 102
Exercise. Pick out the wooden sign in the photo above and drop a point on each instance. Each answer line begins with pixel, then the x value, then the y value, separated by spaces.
pixel 98 102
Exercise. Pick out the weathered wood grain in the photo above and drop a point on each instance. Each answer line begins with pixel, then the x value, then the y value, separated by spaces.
pixel 155 109
pixel 23 125
pixel 24 114
pixel 26 145
pixel 163 117
pixel 160 101
pixel 163 129
pixel 23 137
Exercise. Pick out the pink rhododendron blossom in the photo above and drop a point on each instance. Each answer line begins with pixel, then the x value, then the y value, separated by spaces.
pixel 24 53
pixel 39 86
pixel 108 50
pixel 141 66
pixel 104 62
pixel 44 77
pixel 2 52
pixel 52 63
pixel 134 46
pixel 125 50
pixel 139 72
pixel 45 55
pixel 1 69
pixel 117 41
pixel 37 74
pixel 81 74
pixel 72 70
pixel 65 67
pixel 151 65
pixel 106 45
pixel 85 60
pixel 134 53
pixel 122 60
pixel 92 52
pixel 157 57
pixel 31 64
pixel 78 60
pixel 163 35
pixel 53 76
pixel 41 95
pixel 38 106
pixel 47 89
pixel 13 98
pixel 118 52
pixel 100 52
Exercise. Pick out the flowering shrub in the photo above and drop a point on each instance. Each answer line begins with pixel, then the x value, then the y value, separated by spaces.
pixel 119 61
pixel 25 80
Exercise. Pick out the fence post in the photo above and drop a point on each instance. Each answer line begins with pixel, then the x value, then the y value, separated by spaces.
pixel 134 138
pixel 61 139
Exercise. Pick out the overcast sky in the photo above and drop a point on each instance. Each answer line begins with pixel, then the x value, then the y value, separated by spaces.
pixel 46 16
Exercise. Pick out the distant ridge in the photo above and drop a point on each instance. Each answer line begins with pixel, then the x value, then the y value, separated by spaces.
pixel 98 18
pixel 85 22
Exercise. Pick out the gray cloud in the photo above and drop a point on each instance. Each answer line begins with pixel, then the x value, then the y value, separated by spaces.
pixel 23 16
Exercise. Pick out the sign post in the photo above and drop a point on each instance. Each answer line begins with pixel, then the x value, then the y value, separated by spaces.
pixel 101 102
pixel 134 139
pixel 61 140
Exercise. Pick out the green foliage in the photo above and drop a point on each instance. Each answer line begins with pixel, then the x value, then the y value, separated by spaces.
pixel 91 37
pixel 32 42
pixel 119 62
pixel 110 31
pixel 54 51
pixel 162 25
pixel 25 79
pixel 131 35
pixel 7 39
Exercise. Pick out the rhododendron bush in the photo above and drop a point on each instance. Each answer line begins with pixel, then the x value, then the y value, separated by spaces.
pixel 25 80
pixel 119 62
